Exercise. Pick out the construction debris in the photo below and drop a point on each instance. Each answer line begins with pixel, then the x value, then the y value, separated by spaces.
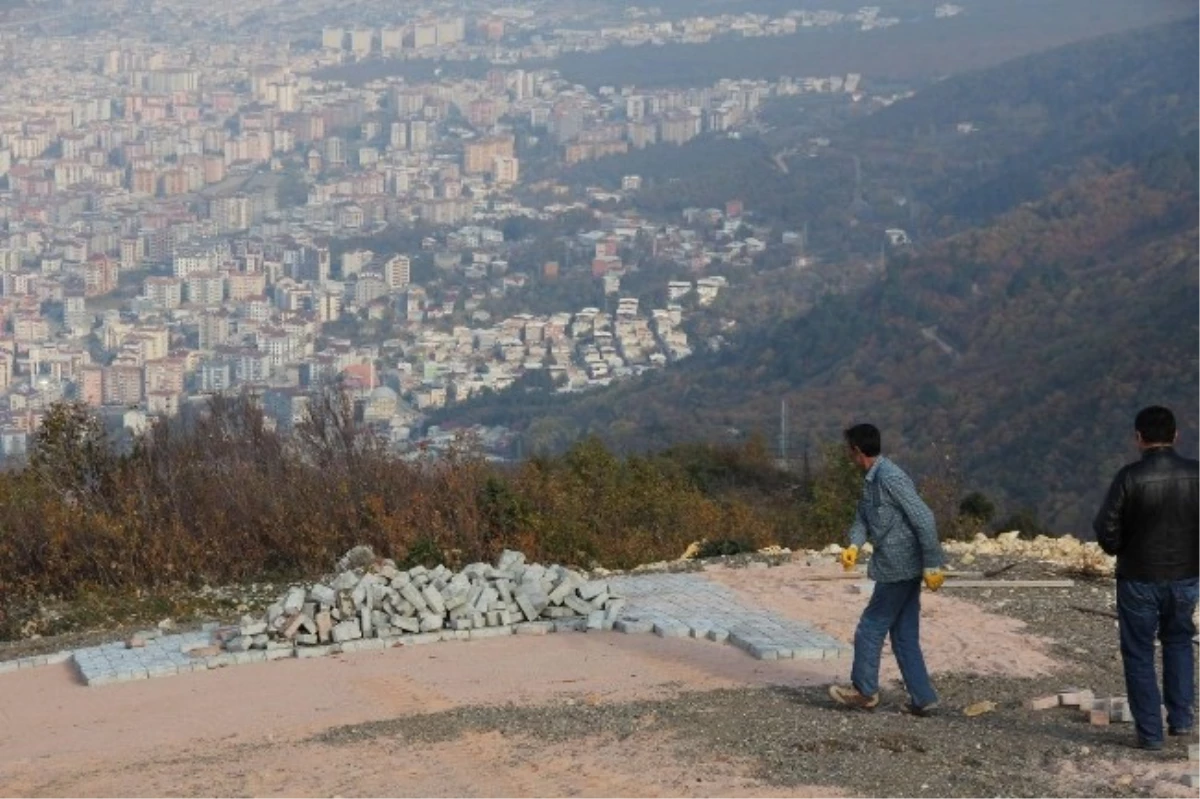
pixel 1099 712
pixel 1042 702
pixel 1066 551
pixel 1117 708
pixel 372 600
pixel 1095 611
pixel 979 708
pixel 1076 698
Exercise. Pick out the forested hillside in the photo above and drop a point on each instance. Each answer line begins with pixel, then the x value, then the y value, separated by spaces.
pixel 1021 341
pixel 1038 122
pixel 1023 349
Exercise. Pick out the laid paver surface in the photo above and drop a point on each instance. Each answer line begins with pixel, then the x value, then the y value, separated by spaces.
pixel 689 604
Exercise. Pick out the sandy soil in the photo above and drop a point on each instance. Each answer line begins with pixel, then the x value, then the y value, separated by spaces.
pixel 246 730
pixel 477 764
pixel 955 634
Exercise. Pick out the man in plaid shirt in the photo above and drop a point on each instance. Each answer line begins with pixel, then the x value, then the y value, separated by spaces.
pixel 903 535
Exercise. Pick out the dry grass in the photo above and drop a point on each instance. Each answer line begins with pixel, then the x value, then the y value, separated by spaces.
pixel 221 499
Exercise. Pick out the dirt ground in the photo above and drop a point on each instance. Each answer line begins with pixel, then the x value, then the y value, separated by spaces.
pixel 570 714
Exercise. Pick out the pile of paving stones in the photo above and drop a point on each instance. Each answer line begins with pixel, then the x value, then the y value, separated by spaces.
pixel 370 604
pixel 380 602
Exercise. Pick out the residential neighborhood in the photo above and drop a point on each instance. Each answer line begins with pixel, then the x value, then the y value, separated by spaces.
pixel 189 211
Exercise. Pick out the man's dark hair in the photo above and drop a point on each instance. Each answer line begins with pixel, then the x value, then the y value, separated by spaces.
pixel 864 438
pixel 1156 425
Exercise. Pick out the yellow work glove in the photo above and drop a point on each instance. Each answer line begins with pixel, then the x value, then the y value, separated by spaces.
pixel 849 557
pixel 934 579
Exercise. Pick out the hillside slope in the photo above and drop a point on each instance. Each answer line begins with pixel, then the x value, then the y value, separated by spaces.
pixel 1021 336
pixel 1037 119
pixel 1024 347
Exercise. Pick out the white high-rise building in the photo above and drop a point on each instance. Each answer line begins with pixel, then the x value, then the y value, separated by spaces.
pixel 361 40
pixel 391 41
pixel 398 136
pixel 505 169
pixel 418 135
pixel 332 38
pixel 329 308
pixel 425 34
pixel 397 272
pixel 451 31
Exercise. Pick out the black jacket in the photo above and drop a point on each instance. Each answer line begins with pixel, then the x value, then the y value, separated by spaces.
pixel 1151 518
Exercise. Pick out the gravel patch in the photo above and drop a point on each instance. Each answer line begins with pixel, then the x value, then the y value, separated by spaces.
pixel 797 737
pixel 1088 641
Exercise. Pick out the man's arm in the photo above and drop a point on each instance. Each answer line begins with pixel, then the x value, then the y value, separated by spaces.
pixel 920 518
pixel 1107 525
pixel 858 530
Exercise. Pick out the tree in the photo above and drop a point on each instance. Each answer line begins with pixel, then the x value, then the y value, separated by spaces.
pixel 977 506
pixel 72 456
pixel 1025 521
pixel 835 492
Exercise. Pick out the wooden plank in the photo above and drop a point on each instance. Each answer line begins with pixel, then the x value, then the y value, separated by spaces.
pixel 1009 584
pixel 820 578
pixel 859 575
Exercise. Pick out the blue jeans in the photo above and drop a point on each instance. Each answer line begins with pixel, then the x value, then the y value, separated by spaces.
pixel 894 609
pixel 1146 609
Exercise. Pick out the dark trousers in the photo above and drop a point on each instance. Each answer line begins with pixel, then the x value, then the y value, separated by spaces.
pixel 1162 609
pixel 894 610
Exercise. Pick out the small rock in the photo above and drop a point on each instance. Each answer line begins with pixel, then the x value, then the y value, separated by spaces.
pixel 346 631
pixel 240 644
pixel 979 708
pixel 360 557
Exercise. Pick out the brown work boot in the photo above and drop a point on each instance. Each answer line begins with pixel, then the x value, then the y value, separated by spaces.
pixel 920 711
pixel 849 696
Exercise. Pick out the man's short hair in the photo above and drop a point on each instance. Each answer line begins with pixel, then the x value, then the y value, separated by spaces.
pixel 1156 425
pixel 864 438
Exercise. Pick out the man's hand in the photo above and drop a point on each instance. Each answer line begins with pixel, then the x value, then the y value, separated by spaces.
pixel 934 579
pixel 849 557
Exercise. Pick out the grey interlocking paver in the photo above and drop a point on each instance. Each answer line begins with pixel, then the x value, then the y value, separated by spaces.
pixel 704 608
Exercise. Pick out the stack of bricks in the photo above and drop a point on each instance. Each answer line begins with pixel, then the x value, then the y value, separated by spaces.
pixel 1113 709
pixel 1100 712
pixel 363 609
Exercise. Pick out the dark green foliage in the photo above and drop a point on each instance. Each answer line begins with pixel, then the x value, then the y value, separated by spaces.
pixel 977 506
pixel 724 547
pixel 1025 521
pixel 423 552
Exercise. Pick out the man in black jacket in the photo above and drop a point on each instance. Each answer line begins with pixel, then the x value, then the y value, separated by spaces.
pixel 1151 522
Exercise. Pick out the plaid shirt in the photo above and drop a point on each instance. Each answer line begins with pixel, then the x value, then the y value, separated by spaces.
pixel 898 523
